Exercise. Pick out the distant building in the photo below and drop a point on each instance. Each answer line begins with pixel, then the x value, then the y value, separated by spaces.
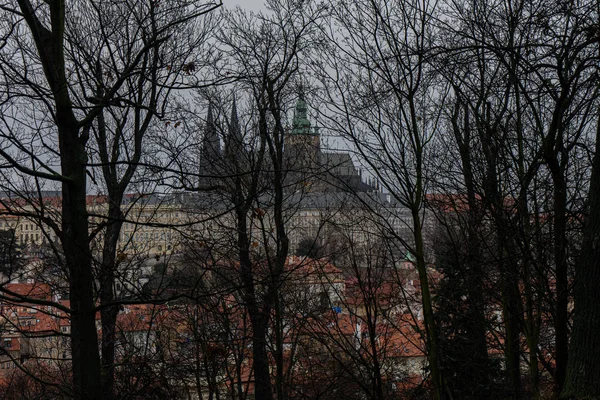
pixel 309 165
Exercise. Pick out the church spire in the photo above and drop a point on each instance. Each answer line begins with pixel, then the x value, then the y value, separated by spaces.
pixel 236 132
pixel 210 152
pixel 234 142
pixel 300 123
pixel 211 145
pixel 302 144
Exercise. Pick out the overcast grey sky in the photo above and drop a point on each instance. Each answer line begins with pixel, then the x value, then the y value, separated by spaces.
pixel 254 5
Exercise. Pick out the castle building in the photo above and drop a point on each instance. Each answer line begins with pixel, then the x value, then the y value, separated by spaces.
pixel 303 143
pixel 307 162
pixel 210 152
pixel 318 183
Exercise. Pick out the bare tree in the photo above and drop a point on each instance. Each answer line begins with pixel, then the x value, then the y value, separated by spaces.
pixel 265 51
pixel 65 69
pixel 535 117
pixel 380 90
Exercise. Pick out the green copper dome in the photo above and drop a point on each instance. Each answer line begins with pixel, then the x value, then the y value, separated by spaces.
pixel 301 124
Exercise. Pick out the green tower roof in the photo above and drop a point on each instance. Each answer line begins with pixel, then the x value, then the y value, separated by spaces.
pixel 410 257
pixel 300 123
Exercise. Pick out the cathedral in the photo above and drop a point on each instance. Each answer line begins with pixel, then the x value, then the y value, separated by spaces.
pixel 306 163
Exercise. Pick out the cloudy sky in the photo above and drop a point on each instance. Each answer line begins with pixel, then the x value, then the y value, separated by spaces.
pixel 247 4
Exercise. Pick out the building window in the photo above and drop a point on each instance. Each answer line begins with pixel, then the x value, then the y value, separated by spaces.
pixel 7 343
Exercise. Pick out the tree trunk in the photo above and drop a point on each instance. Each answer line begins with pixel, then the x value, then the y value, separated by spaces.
pixel 428 316
pixel 262 375
pixel 562 291
pixel 84 339
pixel 107 296
pixel 259 317
pixel 75 236
pixel 508 269
pixel 511 317
pixel 583 373
pixel 474 273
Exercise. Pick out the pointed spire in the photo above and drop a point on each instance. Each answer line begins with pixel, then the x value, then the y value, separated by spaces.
pixel 234 140
pixel 209 114
pixel 300 123
pixel 236 132
pixel 210 153
pixel 211 145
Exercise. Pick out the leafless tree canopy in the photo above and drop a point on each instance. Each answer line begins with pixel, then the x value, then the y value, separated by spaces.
pixel 326 199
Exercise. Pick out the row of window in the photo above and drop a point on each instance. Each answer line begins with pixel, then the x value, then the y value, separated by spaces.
pixel 28 227
pixel 147 235
pixel 22 227
pixel 25 238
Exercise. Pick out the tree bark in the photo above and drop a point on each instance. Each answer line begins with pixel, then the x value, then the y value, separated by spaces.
pixel 474 273
pixel 72 140
pixel 583 373
pixel 84 338
pixel 107 296
pixel 428 316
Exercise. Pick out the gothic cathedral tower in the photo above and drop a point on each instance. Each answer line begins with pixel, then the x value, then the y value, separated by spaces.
pixel 302 144
pixel 210 152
